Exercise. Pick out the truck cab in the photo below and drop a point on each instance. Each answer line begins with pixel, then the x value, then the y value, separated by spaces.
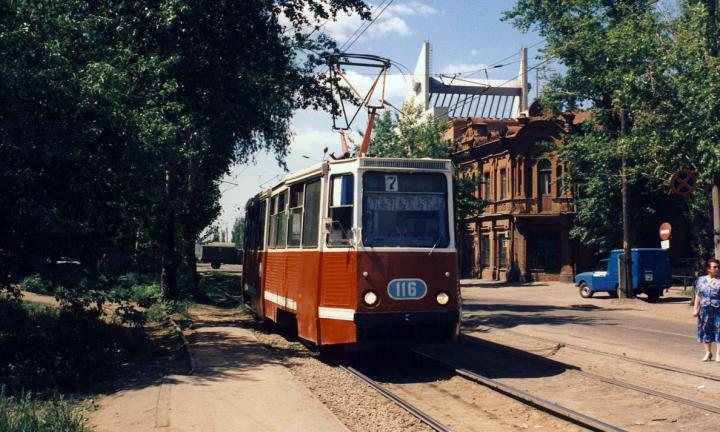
pixel 651 274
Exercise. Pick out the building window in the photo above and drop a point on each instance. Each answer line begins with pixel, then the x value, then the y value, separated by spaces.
pixel 544 177
pixel 528 181
pixel 558 180
pixel 486 186
pixel 543 252
pixel 502 248
pixel 484 251
pixel 503 183
pixel 519 180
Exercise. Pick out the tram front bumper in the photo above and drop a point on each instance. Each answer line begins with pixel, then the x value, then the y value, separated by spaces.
pixel 407 325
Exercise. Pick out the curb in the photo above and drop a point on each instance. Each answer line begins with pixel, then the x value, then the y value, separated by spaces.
pixel 186 345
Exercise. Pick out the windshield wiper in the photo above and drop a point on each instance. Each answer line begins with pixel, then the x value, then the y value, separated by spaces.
pixel 436 243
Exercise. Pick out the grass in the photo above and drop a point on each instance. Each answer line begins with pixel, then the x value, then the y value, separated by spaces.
pixel 46 353
pixel 24 413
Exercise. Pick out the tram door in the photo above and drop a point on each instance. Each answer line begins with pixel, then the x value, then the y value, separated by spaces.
pixel 254 250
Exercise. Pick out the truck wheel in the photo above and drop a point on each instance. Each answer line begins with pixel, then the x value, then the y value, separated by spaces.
pixel 654 295
pixel 585 291
pixel 215 265
pixel 613 294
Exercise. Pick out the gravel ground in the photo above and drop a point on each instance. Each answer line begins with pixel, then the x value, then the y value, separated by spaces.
pixel 354 403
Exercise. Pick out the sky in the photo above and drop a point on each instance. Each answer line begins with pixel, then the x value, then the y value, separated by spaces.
pixel 464 36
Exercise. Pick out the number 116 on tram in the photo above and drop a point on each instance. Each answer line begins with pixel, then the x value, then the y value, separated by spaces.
pixel 356 250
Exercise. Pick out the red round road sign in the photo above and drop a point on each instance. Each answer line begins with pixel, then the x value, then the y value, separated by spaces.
pixel 665 231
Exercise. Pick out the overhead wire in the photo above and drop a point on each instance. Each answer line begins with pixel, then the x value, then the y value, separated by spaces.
pixel 369 23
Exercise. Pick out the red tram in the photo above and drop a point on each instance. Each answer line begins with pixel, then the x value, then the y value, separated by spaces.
pixel 356 250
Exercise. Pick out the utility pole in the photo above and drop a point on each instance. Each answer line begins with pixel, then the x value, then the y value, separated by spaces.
pixel 712 50
pixel 626 289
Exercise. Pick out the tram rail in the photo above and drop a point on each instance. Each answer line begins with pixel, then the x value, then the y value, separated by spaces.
pixel 617 356
pixel 421 415
pixel 612 381
pixel 551 408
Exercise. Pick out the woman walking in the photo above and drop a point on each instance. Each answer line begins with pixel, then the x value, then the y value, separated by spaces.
pixel 707 309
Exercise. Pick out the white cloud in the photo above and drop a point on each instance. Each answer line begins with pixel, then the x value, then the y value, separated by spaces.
pixel 412 8
pixel 312 142
pixel 392 21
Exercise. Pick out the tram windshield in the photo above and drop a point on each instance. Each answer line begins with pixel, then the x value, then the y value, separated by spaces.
pixel 405 209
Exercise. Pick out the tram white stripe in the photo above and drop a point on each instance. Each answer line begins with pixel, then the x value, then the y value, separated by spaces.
pixel 336 313
pixel 280 300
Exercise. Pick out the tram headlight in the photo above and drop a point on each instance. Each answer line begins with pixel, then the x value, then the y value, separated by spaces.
pixel 370 298
pixel 442 298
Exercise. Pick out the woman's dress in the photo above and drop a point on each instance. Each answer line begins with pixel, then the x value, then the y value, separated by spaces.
pixel 708 329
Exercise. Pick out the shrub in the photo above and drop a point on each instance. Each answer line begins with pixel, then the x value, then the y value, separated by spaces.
pixel 145 295
pixel 36 284
pixel 49 348
pixel 26 414
pixel 162 309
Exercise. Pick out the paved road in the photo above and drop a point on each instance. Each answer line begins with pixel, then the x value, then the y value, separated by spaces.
pixel 663 332
pixel 238 385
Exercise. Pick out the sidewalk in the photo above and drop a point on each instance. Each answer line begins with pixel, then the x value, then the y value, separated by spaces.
pixel 249 388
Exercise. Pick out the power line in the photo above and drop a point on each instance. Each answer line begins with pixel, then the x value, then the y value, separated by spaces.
pixel 369 23
pixel 362 24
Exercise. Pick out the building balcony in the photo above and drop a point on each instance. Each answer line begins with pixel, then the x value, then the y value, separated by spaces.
pixel 546 205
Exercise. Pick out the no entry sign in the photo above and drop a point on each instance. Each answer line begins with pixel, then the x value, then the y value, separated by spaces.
pixel 665 231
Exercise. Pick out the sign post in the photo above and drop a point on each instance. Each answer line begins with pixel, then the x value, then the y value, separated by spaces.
pixel 665 232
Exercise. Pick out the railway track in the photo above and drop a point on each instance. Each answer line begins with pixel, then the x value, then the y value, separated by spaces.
pixel 551 408
pixel 612 381
pixel 564 414
pixel 617 356
pixel 421 415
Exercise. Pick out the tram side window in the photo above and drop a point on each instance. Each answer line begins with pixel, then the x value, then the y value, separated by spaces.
pixel 278 221
pixel 311 218
pixel 341 210
pixel 281 221
pixel 272 235
pixel 295 216
pixel 260 227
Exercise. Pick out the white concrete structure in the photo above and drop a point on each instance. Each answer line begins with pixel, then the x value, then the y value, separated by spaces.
pixel 455 96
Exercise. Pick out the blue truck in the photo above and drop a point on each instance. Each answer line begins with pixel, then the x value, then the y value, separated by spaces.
pixel 651 274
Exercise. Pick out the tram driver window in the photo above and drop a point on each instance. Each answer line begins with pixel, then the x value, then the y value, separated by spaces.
pixel 341 210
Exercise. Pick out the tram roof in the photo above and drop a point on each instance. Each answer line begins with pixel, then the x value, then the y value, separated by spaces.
pixel 367 162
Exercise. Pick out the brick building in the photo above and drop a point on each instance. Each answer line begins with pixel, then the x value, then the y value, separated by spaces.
pixel 523 231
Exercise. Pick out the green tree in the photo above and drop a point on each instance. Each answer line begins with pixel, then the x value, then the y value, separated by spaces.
pixel 238 232
pixel 119 119
pixel 644 74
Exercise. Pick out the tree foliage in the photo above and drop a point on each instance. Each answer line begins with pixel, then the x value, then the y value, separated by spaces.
pixel 646 74
pixel 238 232
pixel 119 119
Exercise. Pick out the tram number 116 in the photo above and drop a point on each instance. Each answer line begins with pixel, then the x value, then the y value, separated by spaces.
pixel 407 289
